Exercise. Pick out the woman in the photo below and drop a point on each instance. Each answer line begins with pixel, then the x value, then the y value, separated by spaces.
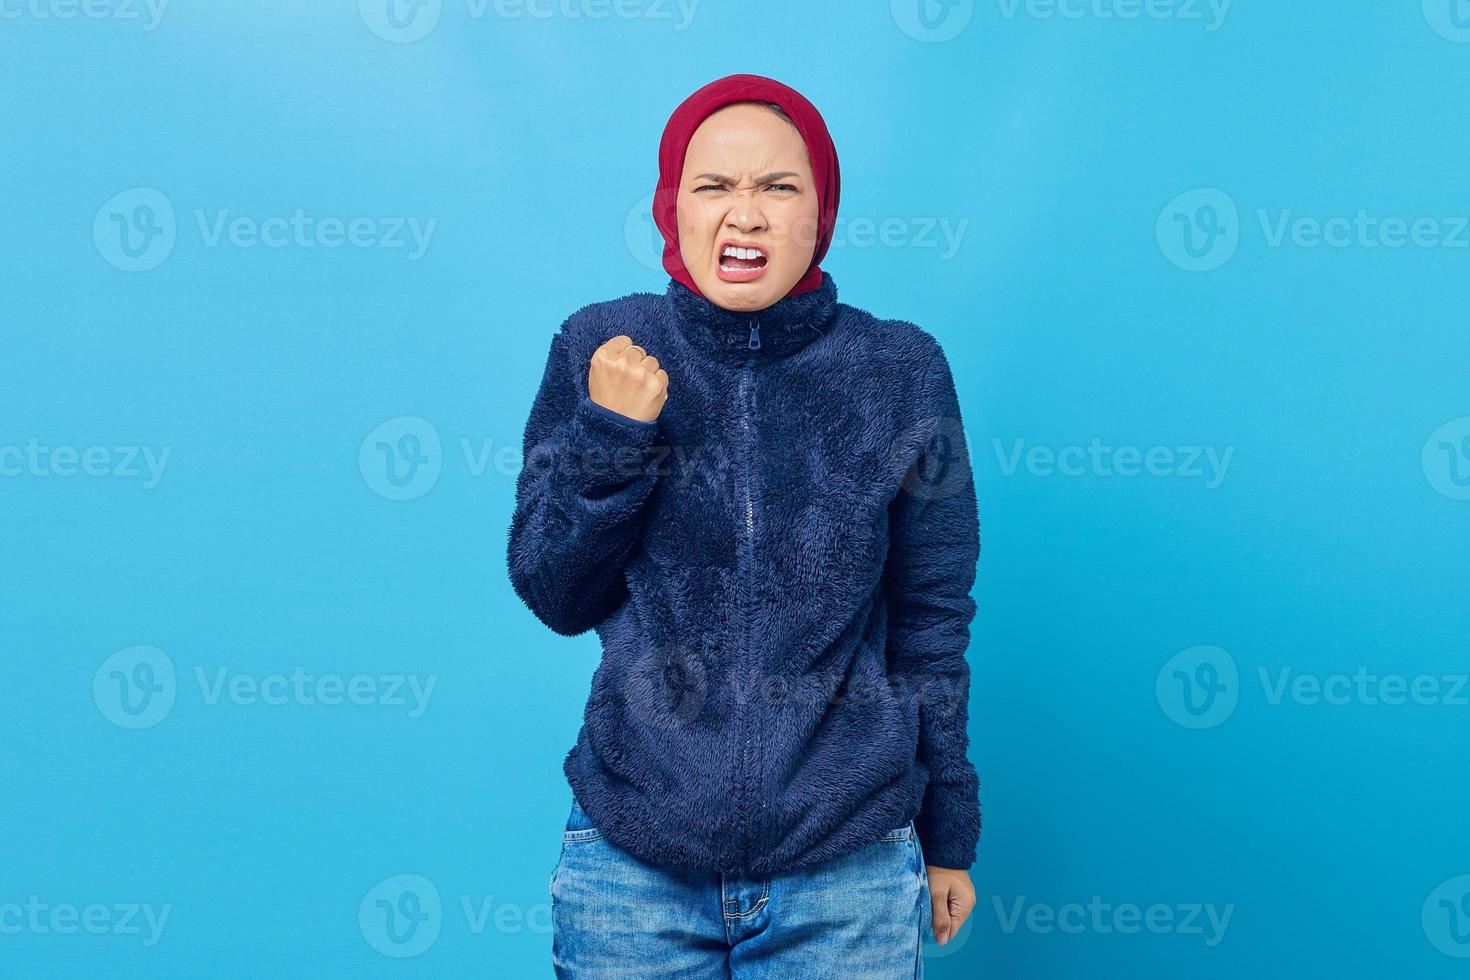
pixel 761 500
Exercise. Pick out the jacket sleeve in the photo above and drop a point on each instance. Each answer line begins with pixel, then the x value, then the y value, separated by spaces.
pixel 580 495
pixel 934 544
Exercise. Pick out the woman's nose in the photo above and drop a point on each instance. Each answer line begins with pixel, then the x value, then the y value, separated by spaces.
pixel 746 216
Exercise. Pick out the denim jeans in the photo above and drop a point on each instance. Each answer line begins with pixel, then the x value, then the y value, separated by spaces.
pixel 862 915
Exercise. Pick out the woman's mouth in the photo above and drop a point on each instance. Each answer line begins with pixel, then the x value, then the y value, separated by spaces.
pixel 742 263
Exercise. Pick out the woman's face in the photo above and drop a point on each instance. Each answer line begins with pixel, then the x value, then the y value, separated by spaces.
pixel 747 184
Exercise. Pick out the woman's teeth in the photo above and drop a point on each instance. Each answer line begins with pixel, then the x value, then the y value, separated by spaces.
pixel 735 259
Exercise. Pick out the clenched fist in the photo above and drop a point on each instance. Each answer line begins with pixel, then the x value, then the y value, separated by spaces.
pixel 626 379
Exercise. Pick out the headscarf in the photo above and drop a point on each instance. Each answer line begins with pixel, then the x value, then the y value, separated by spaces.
pixel 675 142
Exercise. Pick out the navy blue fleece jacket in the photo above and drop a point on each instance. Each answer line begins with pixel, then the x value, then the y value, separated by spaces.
pixel 779 569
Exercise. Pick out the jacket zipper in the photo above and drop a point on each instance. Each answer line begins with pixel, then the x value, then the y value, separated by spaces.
pixel 747 421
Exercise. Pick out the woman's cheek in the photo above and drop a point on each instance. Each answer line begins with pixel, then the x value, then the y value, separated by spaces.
pixel 804 234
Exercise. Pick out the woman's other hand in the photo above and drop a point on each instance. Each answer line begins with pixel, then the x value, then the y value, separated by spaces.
pixel 952 895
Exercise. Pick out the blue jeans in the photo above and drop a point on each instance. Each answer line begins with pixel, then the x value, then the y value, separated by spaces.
pixel 859 916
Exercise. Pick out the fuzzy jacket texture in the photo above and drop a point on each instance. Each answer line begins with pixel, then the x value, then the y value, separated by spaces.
pixel 779 569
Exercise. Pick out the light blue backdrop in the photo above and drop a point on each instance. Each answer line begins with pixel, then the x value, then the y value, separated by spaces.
pixel 1200 274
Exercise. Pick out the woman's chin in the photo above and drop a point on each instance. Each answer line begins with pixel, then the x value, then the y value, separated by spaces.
pixel 746 295
pixel 740 297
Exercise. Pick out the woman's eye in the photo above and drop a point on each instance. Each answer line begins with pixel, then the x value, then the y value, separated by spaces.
pixel 779 188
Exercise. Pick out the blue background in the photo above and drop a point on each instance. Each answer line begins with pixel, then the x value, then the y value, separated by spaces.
pixel 270 543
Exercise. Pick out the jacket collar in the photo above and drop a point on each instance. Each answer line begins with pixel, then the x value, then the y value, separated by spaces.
pixel 782 328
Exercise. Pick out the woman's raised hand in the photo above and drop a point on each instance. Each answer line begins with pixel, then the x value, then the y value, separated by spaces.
pixel 627 379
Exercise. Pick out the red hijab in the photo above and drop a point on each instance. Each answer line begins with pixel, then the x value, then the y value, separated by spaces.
pixel 693 111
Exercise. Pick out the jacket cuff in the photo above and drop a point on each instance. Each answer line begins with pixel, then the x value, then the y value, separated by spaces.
pixel 588 404
pixel 949 827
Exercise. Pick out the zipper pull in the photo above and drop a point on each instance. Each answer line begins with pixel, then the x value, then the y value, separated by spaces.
pixel 755 336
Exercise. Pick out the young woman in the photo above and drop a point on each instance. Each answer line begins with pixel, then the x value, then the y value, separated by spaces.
pixel 761 499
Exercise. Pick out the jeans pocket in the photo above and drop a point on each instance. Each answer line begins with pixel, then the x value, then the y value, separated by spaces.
pixel 579 827
pixel 579 830
pixel 902 833
pixel 919 859
pixel 907 837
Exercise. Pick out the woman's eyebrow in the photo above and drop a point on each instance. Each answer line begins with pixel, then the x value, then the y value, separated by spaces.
pixel 766 179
